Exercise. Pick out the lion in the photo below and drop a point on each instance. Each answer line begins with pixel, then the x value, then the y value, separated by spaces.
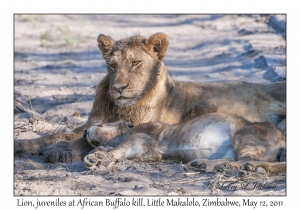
pixel 138 89
pixel 214 136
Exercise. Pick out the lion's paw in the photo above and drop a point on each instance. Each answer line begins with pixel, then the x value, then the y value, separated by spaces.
pixel 208 164
pixel 98 156
pixel 254 167
pixel 229 168
pixel 199 163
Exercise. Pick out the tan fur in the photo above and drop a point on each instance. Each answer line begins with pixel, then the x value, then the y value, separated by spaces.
pixel 138 89
pixel 258 141
pixel 186 142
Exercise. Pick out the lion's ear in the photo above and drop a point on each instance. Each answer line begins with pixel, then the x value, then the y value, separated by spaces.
pixel 105 43
pixel 157 44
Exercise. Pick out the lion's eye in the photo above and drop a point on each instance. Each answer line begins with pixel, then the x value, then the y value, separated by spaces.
pixel 135 63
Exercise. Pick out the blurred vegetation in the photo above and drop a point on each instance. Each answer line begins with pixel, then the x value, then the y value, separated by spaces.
pixel 60 37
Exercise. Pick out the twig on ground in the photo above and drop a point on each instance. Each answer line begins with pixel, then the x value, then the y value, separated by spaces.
pixel 34 115
pixel 49 189
pixel 31 107
pixel 16 117
pixel 183 181
pixel 191 173
pixel 69 112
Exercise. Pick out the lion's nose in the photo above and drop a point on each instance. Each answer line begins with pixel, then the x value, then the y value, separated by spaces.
pixel 120 89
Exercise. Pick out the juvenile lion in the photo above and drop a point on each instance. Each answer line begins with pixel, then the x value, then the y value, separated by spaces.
pixel 208 137
pixel 138 89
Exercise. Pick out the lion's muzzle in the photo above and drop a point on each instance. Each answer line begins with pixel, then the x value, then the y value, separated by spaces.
pixel 119 88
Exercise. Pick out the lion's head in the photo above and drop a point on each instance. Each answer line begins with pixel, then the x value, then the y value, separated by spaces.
pixel 133 65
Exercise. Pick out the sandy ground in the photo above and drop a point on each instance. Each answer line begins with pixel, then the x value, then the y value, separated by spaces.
pixel 58 65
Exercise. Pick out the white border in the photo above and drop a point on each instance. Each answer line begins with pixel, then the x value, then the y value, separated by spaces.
pixel 154 6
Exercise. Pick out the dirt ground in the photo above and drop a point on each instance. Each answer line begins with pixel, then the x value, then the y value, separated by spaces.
pixel 57 65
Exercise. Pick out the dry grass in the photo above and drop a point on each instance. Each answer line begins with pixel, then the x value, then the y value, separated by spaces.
pixel 61 36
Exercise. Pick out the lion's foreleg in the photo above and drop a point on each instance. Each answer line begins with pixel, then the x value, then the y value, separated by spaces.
pixel 266 167
pixel 67 151
pixel 138 146
pixel 37 146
